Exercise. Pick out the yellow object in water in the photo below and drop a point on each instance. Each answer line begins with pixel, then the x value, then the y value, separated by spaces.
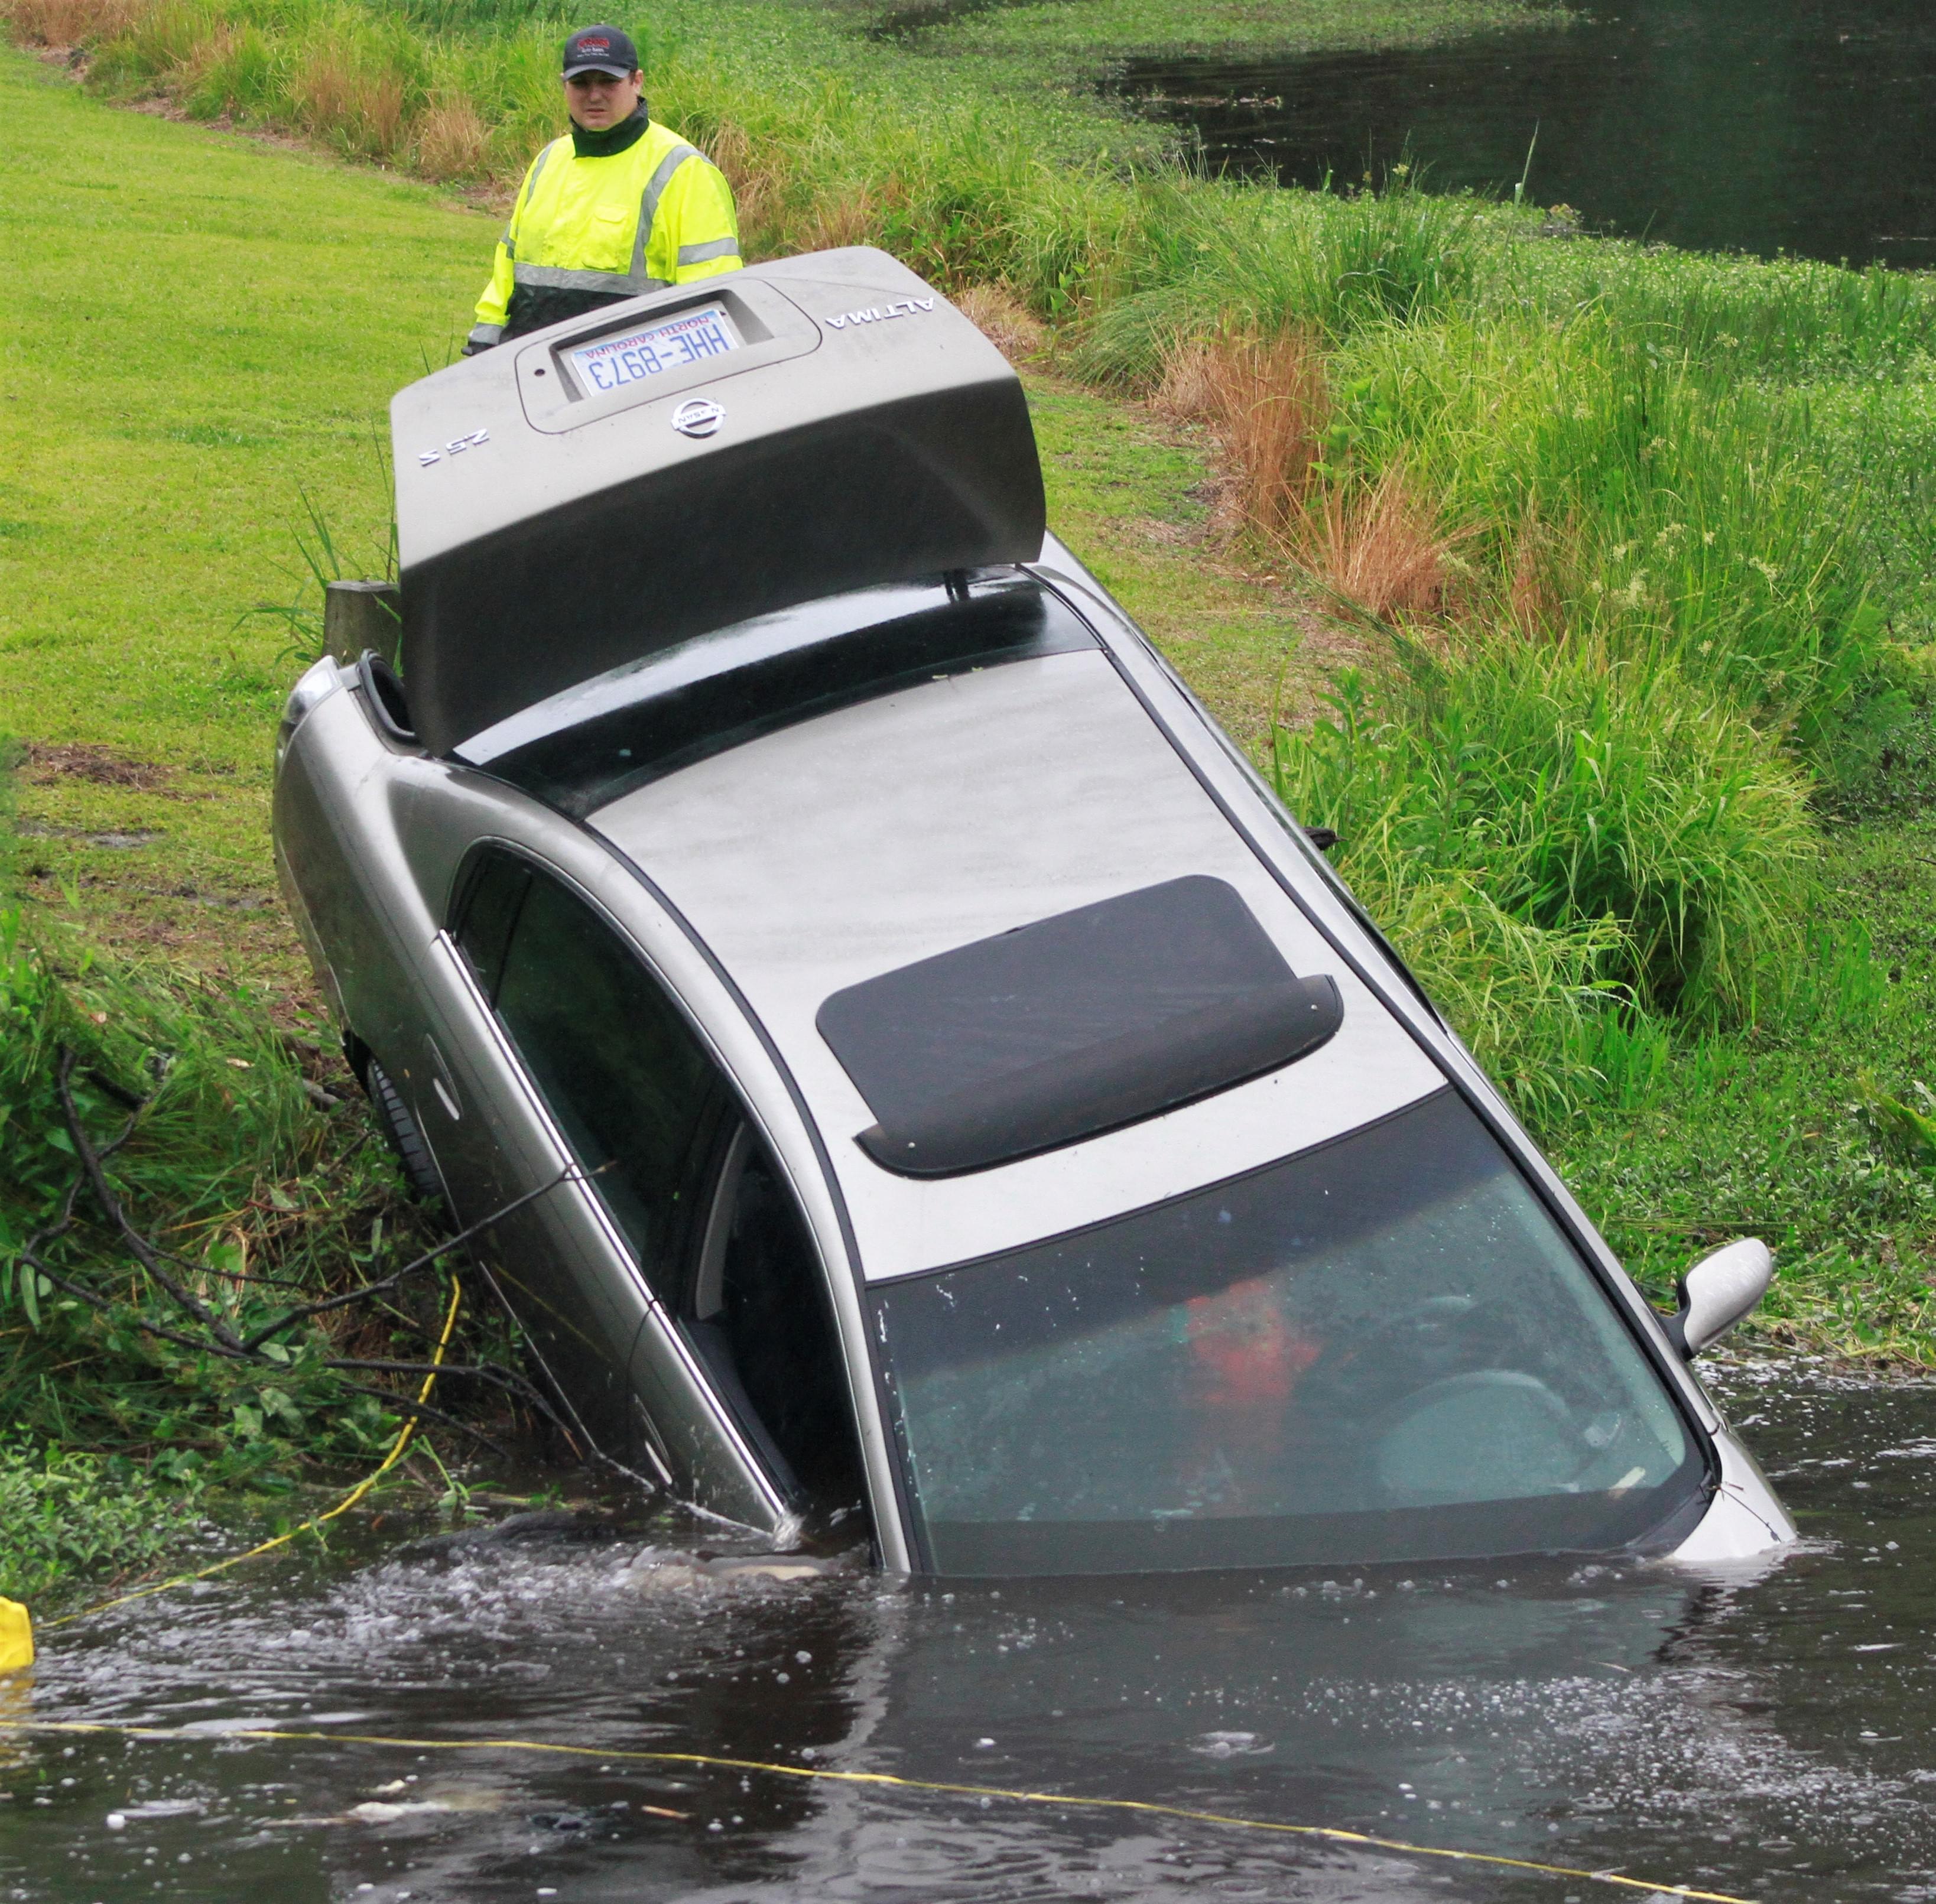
pixel 16 1637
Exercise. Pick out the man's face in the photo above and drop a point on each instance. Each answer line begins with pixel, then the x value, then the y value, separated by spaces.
pixel 598 100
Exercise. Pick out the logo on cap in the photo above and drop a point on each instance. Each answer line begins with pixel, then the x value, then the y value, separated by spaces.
pixel 698 416
pixel 609 47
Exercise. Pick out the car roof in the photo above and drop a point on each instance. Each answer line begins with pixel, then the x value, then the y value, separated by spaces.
pixel 855 843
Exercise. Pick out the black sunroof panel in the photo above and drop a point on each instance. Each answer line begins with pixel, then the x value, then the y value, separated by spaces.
pixel 1077 1024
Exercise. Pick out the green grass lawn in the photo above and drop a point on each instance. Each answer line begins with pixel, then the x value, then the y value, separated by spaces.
pixel 204 330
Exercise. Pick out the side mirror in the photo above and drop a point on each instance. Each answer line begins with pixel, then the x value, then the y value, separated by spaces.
pixel 1718 1291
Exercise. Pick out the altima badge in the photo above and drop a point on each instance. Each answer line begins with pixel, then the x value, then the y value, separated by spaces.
pixel 698 416
pixel 874 314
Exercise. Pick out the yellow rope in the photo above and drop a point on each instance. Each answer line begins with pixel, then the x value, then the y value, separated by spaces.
pixel 343 1506
pixel 1146 1807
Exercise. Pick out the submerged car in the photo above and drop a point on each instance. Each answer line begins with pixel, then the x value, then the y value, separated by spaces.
pixel 941 1080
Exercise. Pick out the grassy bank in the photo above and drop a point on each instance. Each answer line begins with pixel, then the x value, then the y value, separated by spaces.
pixel 1072 45
pixel 233 1188
pixel 1582 587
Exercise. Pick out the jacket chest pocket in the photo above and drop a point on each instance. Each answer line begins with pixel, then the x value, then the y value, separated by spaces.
pixel 609 237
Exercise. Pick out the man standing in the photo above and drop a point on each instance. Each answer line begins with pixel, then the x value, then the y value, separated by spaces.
pixel 618 207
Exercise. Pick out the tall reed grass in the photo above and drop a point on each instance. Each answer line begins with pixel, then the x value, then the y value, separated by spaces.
pixel 1700 519
pixel 1580 788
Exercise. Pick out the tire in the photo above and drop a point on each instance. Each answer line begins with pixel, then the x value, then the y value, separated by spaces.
pixel 405 1140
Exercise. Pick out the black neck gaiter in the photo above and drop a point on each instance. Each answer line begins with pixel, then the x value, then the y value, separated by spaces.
pixel 603 144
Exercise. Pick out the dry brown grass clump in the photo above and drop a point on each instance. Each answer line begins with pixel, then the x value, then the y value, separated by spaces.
pixel 1265 401
pixel 1003 319
pixel 854 216
pixel 452 141
pixel 1376 544
pixel 363 108
pixel 69 23
pixel 748 164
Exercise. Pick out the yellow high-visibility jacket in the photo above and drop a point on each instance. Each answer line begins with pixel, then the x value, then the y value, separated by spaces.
pixel 586 230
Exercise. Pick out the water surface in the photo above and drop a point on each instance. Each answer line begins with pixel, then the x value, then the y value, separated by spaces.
pixel 1806 126
pixel 1766 1733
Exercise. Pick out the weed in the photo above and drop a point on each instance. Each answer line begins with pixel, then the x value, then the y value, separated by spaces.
pixel 1909 1128
pixel 68 1514
pixel 1622 1053
pixel 256 1190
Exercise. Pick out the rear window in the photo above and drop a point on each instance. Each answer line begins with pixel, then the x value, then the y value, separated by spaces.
pixel 592 744
pixel 1384 1348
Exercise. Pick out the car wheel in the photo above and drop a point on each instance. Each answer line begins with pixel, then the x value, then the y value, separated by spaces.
pixel 405 1137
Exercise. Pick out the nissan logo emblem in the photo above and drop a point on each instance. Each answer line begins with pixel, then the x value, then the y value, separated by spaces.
pixel 698 416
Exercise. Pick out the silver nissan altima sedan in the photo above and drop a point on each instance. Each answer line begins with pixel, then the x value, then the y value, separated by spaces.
pixel 958 1095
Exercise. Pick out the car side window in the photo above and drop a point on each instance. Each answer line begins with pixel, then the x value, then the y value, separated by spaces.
pixel 630 1085
pixel 491 906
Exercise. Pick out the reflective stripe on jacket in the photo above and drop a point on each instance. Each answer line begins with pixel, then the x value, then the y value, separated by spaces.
pixel 658 214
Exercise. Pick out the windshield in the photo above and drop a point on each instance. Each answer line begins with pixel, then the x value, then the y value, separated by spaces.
pixel 1383 1348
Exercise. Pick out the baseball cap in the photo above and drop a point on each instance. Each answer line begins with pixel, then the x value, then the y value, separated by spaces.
pixel 600 49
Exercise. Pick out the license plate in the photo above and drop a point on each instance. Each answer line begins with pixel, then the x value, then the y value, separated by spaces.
pixel 690 338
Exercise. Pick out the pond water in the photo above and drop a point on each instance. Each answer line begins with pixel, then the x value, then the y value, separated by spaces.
pixel 1758 126
pixel 1764 1733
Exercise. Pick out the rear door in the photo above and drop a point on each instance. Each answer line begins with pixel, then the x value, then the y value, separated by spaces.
pixel 552 1257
